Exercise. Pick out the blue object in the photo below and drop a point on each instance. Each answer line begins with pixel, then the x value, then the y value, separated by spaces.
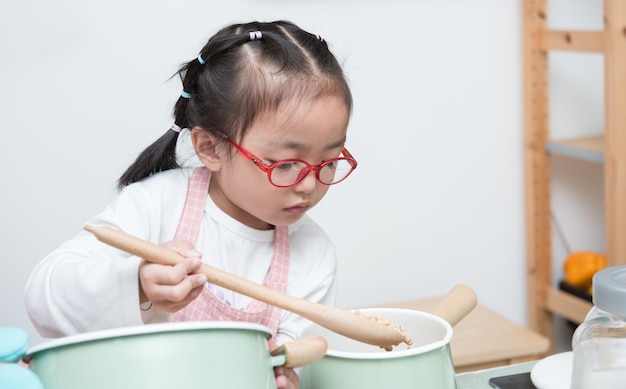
pixel 14 376
pixel 13 344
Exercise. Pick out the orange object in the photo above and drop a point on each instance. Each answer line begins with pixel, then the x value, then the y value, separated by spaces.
pixel 579 268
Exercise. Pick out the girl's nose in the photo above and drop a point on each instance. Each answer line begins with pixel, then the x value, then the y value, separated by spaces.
pixel 308 183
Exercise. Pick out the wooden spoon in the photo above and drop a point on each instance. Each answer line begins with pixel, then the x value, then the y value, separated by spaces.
pixel 457 304
pixel 342 322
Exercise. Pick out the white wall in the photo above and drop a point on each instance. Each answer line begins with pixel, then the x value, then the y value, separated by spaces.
pixel 437 129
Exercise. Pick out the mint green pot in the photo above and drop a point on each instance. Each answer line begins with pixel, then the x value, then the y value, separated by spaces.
pixel 168 355
pixel 351 364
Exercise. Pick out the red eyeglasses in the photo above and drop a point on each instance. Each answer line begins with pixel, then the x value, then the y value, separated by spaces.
pixel 289 172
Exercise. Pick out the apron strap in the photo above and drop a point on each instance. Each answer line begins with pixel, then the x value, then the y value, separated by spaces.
pixel 197 192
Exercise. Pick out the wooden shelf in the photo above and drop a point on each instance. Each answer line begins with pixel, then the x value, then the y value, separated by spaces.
pixel 587 41
pixel 567 306
pixel 609 149
pixel 589 149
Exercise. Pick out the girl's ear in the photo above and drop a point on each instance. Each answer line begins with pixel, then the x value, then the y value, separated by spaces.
pixel 206 146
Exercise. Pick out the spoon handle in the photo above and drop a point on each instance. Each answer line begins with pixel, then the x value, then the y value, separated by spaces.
pixel 457 304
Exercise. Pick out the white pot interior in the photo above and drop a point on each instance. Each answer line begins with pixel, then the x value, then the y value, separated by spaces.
pixel 428 332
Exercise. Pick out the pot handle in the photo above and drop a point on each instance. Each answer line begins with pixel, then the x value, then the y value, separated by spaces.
pixel 299 352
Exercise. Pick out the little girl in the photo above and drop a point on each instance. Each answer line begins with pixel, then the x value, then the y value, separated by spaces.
pixel 267 109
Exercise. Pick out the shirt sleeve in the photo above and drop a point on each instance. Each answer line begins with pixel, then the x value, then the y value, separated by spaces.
pixel 85 285
pixel 291 325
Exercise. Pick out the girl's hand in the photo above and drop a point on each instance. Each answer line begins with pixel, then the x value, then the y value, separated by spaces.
pixel 171 288
pixel 286 378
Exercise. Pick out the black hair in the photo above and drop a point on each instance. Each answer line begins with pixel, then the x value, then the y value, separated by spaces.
pixel 236 78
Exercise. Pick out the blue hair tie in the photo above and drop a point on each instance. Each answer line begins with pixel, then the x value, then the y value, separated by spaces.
pixel 185 95
pixel 200 59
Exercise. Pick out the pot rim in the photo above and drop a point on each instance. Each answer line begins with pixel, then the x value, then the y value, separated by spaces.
pixel 146 329
pixel 398 353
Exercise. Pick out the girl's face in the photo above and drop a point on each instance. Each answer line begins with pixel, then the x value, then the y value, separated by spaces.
pixel 312 131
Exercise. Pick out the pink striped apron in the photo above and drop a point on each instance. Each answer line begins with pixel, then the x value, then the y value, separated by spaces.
pixel 208 306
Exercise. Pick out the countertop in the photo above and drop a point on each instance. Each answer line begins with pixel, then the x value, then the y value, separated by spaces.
pixel 480 379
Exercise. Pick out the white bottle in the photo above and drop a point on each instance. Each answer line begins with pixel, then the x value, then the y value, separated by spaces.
pixel 599 343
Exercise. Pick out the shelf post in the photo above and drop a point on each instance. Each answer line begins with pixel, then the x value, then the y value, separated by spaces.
pixel 615 131
pixel 537 166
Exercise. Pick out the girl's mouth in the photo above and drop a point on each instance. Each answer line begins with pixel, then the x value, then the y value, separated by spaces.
pixel 298 208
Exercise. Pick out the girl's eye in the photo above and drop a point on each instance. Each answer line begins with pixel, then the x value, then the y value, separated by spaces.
pixel 331 165
pixel 286 166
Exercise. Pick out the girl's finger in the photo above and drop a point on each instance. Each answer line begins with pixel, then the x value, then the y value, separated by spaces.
pixel 181 293
pixel 174 275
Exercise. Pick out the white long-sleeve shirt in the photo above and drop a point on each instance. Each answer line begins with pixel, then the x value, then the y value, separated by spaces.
pixel 85 285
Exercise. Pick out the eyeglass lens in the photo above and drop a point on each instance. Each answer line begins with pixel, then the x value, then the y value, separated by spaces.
pixel 288 173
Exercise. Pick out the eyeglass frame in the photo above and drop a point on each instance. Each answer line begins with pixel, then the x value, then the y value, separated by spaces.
pixel 258 162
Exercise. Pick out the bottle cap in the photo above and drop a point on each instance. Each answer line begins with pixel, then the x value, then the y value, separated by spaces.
pixel 609 290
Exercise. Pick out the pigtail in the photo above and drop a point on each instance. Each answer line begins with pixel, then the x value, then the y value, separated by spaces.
pixel 158 157
pixel 161 154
